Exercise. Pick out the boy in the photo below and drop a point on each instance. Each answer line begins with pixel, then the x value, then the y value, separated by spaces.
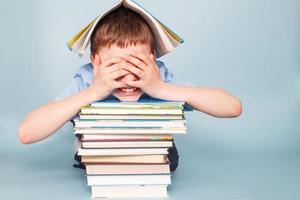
pixel 122 67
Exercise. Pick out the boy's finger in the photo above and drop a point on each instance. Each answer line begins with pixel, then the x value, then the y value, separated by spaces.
pixel 110 61
pixel 115 67
pixel 142 57
pixel 134 70
pixel 117 74
pixel 137 62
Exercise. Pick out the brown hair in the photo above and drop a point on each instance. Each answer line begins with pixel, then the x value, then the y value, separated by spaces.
pixel 121 27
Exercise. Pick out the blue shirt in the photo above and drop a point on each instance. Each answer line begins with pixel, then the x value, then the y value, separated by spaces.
pixel 84 76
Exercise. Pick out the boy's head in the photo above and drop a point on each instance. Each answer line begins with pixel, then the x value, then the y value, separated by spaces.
pixel 120 33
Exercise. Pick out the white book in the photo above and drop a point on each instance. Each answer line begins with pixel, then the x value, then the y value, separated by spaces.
pixel 101 169
pixel 107 116
pixel 154 104
pixel 128 131
pixel 129 191
pixel 165 39
pixel 161 179
pixel 130 123
pixel 131 144
pixel 124 137
pixel 117 111
pixel 132 159
pixel 133 151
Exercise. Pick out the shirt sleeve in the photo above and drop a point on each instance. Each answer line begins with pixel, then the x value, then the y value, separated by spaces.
pixel 74 87
pixel 168 76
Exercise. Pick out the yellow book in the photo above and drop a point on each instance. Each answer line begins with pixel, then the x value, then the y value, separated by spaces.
pixel 125 159
pixel 75 38
pixel 166 39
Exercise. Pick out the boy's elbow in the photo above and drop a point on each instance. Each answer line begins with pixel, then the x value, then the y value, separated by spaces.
pixel 24 136
pixel 236 108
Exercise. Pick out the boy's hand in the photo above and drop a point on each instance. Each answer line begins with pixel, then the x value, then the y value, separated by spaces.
pixel 144 66
pixel 105 75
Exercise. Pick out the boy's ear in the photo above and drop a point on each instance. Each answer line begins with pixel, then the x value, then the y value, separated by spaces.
pixel 95 59
pixel 152 56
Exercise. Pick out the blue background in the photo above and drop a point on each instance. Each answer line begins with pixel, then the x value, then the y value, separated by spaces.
pixel 247 47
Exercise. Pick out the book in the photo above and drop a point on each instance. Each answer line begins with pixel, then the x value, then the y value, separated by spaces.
pixel 80 123
pixel 133 130
pixel 134 137
pixel 146 159
pixel 129 191
pixel 101 169
pixel 141 116
pixel 165 39
pixel 129 144
pixel 162 179
pixel 149 103
pixel 125 111
pixel 132 151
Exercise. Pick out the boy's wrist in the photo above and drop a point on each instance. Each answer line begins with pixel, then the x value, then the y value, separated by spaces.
pixel 168 91
pixel 160 90
pixel 92 95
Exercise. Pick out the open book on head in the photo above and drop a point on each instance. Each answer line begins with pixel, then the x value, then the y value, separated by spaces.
pixel 165 39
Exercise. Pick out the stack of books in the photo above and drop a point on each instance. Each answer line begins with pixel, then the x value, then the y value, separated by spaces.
pixel 124 146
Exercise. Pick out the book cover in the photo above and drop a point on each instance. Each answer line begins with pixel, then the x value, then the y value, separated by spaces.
pixel 128 179
pixel 132 137
pixel 133 159
pixel 132 130
pixel 129 191
pixel 126 144
pixel 117 151
pixel 102 169
pixel 166 40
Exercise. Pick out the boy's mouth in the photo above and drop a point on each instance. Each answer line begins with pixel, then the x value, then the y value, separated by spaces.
pixel 128 91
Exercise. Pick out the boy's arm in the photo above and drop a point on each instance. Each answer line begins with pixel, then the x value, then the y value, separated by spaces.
pixel 213 101
pixel 44 121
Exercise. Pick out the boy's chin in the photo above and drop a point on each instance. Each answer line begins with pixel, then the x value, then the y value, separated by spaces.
pixel 128 96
